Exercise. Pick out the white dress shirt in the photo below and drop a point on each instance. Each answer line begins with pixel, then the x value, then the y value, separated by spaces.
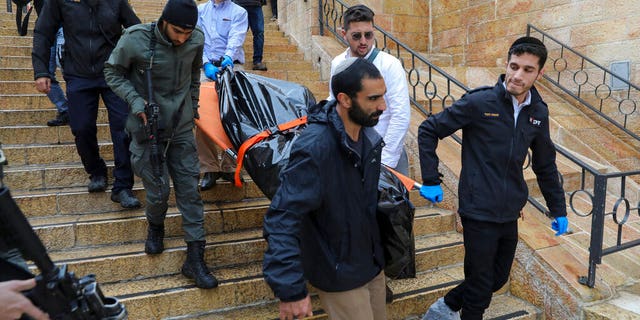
pixel 394 122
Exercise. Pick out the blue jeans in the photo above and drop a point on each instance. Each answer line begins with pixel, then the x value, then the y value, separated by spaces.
pixel 83 95
pixel 256 23
pixel 56 95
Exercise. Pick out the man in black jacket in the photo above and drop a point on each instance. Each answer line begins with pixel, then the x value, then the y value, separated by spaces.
pixel 92 28
pixel 321 226
pixel 499 124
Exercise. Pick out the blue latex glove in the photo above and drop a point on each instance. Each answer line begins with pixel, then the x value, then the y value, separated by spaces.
pixel 560 225
pixel 432 193
pixel 210 70
pixel 226 62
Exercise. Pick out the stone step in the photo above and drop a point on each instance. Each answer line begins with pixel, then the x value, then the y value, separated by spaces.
pixel 73 231
pixel 17 118
pixel 24 74
pixel 48 176
pixel 16 40
pixel 11 30
pixel 22 87
pixel 502 307
pixel 231 244
pixel 626 305
pixel 28 155
pixel 114 226
pixel 15 62
pixel 30 101
pixel 42 134
pixel 176 295
pixel 76 200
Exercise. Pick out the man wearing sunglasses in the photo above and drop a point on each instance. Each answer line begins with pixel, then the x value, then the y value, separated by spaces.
pixel 394 123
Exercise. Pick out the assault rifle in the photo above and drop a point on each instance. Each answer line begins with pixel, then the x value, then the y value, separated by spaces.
pixel 152 110
pixel 58 292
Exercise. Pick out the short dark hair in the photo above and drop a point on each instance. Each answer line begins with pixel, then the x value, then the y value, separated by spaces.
pixel 349 79
pixel 529 45
pixel 357 13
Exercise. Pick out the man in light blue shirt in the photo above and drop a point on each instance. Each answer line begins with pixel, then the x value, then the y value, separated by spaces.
pixel 225 27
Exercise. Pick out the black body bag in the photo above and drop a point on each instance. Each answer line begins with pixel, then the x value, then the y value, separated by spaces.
pixel 255 111
pixel 395 218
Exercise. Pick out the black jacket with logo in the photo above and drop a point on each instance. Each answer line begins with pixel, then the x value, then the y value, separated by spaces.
pixel 91 30
pixel 321 225
pixel 492 185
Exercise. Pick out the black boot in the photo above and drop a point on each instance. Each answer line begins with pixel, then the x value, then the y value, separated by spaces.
pixel 155 235
pixel 195 268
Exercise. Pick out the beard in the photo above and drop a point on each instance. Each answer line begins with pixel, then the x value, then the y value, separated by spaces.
pixel 360 117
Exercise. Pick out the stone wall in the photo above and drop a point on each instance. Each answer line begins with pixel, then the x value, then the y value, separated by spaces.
pixel 478 32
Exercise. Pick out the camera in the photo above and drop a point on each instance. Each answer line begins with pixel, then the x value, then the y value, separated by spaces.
pixel 58 292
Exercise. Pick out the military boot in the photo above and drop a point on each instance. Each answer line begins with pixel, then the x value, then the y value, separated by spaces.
pixel 195 268
pixel 155 235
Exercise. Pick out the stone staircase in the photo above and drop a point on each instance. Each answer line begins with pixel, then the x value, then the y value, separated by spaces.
pixel 91 234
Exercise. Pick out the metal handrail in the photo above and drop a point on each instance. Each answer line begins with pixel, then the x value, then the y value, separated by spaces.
pixel 594 185
pixel 586 81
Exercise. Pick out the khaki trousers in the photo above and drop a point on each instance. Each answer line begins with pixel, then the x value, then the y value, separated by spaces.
pixel 364 303
pixel 211 156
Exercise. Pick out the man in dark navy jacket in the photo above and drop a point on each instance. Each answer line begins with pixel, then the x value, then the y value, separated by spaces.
pixel 91 30
pixel 499 124
pixel 321 226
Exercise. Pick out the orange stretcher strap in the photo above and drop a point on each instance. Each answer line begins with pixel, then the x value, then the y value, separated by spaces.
pixel 259 137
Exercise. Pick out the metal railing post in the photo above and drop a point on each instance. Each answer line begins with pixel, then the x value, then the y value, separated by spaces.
pixel 320 17
pixel 597 229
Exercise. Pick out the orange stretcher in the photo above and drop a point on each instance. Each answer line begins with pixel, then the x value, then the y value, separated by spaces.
pixel 210 123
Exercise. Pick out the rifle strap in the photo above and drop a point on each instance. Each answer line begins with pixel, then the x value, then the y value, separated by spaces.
pixel 261 136
pixel 373 55
pixel 22 24
pixel 152 45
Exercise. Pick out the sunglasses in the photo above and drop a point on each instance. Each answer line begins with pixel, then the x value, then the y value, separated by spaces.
pixel 357 36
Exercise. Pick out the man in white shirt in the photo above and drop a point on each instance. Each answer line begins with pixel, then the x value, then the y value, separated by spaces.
pixel 358 31
pixel 224 24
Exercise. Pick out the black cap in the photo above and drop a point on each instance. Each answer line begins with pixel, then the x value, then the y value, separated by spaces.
pixel 181 13
pixel 527 41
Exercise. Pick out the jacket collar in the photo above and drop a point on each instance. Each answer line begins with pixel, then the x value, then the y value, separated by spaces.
pixel 535 95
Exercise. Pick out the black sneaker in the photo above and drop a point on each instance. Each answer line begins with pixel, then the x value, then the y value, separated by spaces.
pixel 126 199
pixel 260 66
pixel 61 119
pixel 98 184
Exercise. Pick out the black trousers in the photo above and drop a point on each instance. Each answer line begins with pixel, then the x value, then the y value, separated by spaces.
pixel 83 95
pixel 489 251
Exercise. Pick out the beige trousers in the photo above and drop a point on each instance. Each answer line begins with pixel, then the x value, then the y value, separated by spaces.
pixel 364 303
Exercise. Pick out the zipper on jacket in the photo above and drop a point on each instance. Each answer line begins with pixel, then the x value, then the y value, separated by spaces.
pixel 507 168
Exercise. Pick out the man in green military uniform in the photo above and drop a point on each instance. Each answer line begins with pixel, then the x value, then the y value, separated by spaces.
pixel 171 50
